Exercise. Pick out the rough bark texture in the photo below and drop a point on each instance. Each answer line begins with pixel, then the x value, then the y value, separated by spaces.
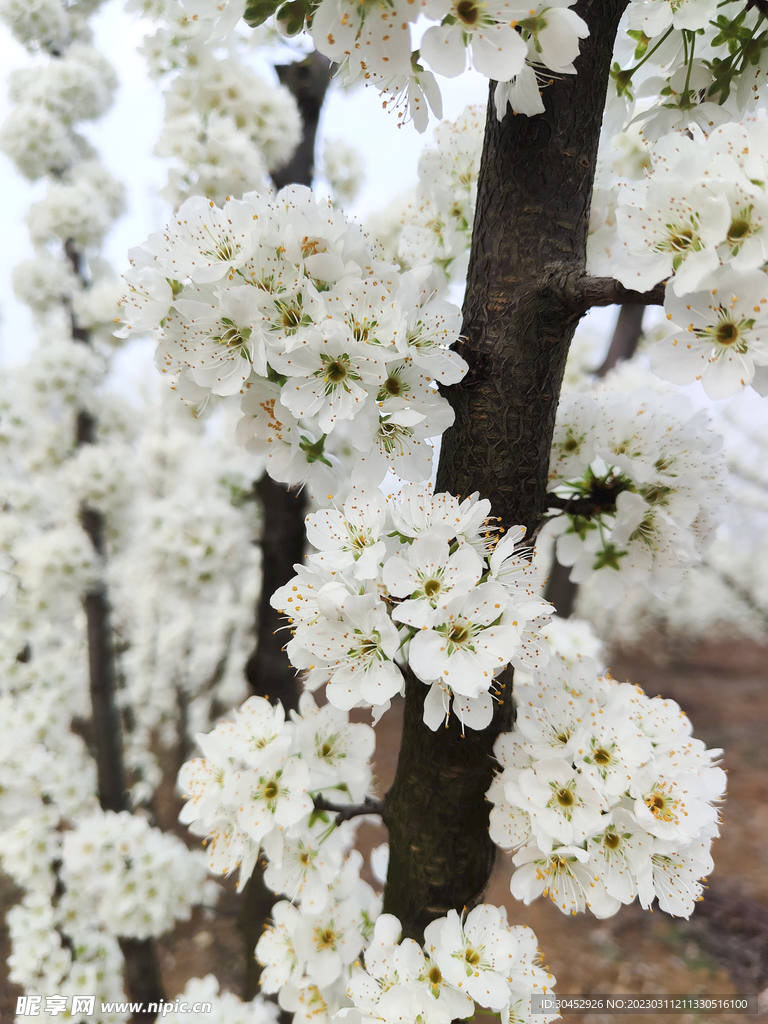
pixel 520 312
pixel 440 853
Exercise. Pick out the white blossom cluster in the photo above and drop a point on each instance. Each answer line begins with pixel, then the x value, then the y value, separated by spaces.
pixel 130 878
pixel 640 481
pixel 255 790
pixel 423 581
pixel 604 795
pixel 506 41
pixel 225 126
pixel 474 959
pixel 673 70
pixel 698 218
pixel 87 877
pixel 284 300
pixel 252 790
pixel 226 1007
pixel 434 227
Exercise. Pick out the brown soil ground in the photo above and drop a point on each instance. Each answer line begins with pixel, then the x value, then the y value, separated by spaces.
pixel 722 950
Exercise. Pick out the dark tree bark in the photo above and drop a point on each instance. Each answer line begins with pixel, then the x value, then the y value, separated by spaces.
pixel 626 337
pixel 308 81
pixel 270 673
pixel 527 287
pixel 142 976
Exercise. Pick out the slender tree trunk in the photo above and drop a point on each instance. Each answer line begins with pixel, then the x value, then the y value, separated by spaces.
pixel 270 673
pixel 142 968
pixel 626 337
pixel 520 313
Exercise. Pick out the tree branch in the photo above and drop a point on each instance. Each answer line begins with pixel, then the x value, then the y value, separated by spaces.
pixel 581 292
pixel 344 812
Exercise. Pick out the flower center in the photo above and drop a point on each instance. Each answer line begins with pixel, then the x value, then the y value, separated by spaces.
pixel 612 840
pixel 232 336
pixel 336 371
pixel 726 333
pixel 271 790
pixel 434 975
pixel 472 957
pixel 311 247
pixel 326 749
pixel 468 12
pixel 661 805
pixel 681 239
pixel 431 587
pixel 459 634
pixel 602 756
pixel 393 437
pixel 740 228
pixel 564 797
pixel 325 938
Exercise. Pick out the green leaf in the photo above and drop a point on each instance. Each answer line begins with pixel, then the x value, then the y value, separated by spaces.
pixel 257 11
pixel 292 16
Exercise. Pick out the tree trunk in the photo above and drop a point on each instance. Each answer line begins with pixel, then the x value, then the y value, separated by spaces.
pixel 142 967
pixel 528 245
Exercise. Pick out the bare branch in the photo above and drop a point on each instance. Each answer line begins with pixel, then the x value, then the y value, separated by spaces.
pixel 582 292
pixel 344 812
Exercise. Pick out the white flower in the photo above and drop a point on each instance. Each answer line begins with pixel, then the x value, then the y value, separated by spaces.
pixel 338 752
pixel 351 540
pixel 476 954
pixel 621 859
pixel 470 643
pixel 330 941
pixel 204 242
pixel 496 49
pixel 272 799
pixel 676 809
pixel 310 862
pixel 565 805
pixel 328 376
pixel 716 336
pixel 678 875
pixel 560 874
pixel 276 950
pixel 357 644
pixel 430 577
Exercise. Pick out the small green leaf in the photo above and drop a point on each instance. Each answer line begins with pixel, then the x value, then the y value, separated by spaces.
pixel 257 11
